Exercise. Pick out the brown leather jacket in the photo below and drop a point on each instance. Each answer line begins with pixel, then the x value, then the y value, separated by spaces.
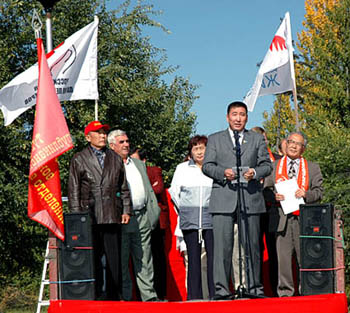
pixel 104 193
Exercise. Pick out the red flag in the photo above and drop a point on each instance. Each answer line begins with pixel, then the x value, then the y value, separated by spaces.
pixel 51 138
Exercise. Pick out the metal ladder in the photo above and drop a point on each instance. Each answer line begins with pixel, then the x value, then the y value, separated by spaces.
pixel 44 282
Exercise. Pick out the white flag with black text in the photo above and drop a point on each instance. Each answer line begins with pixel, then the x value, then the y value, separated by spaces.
pixel 73 66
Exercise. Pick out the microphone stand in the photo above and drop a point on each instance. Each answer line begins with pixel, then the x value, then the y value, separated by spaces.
pixel 241 291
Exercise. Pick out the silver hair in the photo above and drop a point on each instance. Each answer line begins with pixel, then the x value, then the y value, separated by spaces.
pixel 300 134
pixel 113 134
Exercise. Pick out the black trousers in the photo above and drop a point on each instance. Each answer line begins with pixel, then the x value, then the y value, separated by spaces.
pixel 159 261
pixel 270 238
pixel 107 242
pixel 194 275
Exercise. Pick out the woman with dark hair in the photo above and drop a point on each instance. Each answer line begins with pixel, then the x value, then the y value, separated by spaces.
pixel 190 191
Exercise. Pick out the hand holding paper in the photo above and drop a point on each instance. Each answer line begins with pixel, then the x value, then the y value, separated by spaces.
pixel 289 189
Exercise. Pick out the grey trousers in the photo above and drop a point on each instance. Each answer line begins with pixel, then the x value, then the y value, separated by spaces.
pixel 136 241
pixel 223 228
pixel 287 243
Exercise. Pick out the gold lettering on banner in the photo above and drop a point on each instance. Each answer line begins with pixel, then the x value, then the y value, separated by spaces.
pixel 45 152
pixel 49 199
pixel 36 142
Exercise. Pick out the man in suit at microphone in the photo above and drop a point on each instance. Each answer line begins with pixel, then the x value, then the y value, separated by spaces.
pixel 220 163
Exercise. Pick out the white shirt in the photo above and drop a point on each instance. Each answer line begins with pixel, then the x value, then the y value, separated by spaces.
pixel 135 183
pixel 240 134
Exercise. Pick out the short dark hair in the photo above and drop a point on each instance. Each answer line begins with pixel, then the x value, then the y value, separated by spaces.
pixel 237 104
pixel 196 140
pixel 133 149
pixel 142 154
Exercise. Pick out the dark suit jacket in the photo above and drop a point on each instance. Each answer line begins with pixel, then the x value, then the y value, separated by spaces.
pixel 313 194
pixel 220 155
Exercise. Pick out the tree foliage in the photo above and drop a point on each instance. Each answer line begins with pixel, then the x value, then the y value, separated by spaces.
pixel 280 121
pixel 133 97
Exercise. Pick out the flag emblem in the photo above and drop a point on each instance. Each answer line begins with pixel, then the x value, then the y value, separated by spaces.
pixel 279 43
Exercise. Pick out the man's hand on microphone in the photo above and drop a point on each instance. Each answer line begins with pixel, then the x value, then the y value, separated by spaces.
pixel 229 174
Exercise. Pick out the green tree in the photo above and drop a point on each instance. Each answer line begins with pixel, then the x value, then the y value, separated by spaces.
pixel 323 69
pixel 280 121
pixel 133 96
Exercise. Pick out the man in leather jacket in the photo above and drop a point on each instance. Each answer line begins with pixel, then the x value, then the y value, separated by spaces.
pixel 97 184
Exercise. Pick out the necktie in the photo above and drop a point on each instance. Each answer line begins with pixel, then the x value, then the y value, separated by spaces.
pixel 237 139
pixel 100 157
pixel 291 171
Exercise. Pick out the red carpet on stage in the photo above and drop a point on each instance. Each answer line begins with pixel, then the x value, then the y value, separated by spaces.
pixel 332 303
pixel 176 272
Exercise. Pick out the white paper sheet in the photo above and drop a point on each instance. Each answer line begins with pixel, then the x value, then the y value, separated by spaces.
pixel 288 188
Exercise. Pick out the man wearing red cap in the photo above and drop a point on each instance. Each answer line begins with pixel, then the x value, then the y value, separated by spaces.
pixel 97 184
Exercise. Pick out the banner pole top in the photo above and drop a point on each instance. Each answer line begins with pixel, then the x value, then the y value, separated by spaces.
pixel 36 24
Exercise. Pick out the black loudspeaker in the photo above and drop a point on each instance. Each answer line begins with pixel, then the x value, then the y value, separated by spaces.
pixel 316 247
pixel 76 259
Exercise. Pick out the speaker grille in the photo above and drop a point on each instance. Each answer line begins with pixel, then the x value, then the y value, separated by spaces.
pixel 78 230
pixel 76 258
pixel 316 230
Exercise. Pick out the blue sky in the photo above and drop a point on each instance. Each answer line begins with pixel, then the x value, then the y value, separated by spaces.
pixel 217 45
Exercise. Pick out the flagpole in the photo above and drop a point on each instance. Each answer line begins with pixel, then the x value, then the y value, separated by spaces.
pixel 96 110
pixel 96 100
pixel 49 46
pixel 278 121
pixel 291 64
pixel 48 6
pixel 297 125
pixel 52 240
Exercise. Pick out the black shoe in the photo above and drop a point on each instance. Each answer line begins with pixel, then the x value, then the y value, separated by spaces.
pixel 226 297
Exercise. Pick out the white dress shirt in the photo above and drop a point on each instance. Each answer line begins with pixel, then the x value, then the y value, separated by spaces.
pixel 240 134
pixel 135 183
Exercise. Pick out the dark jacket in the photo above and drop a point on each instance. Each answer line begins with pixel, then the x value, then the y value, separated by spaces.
pixel 104 193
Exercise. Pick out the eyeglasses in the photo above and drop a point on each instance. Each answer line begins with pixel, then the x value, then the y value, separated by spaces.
pixel 122 141
pixel 290 142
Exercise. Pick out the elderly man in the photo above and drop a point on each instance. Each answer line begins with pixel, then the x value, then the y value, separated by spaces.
pixel 96 176
pixel 136 237
pixel 220 163
pixel 155 176
pixel 309 180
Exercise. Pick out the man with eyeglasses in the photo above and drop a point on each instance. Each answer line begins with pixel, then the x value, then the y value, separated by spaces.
pixel 136 236
pixel 309 180
pixel 96 176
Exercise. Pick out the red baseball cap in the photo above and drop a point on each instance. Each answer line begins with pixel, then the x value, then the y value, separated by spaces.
pixel 94 126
